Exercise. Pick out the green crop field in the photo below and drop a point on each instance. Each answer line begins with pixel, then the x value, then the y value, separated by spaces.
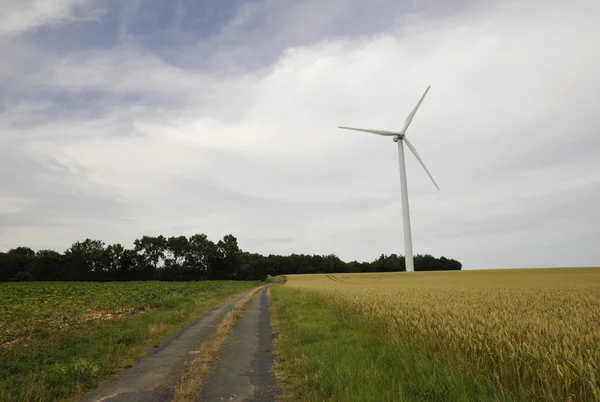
pixel 59 339
pixel 473 335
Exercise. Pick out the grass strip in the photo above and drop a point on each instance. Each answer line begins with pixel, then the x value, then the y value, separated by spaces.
pixel 323 354
pixel 207 354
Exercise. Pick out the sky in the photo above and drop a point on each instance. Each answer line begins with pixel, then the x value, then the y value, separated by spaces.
pixel 120 119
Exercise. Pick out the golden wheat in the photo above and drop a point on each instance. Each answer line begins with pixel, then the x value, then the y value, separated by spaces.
pixel 532 332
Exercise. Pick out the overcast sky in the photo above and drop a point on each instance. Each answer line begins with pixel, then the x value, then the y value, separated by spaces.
pixel 127 118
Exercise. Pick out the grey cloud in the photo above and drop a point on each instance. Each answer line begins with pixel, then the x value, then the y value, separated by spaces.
pixel 254 34
pixel 26 15
pixel 64 209
pixel 163 126
pixel 202 197
pixel 263 245
pixel 50 194
pixel 21 174
pixel 556 230
pixel 279 240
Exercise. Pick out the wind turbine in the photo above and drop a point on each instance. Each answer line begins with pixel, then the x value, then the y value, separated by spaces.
pixel 400 138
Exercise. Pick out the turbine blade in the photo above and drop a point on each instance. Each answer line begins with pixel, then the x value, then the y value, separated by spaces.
pixel 414 151
pixel 412 114
pixel 378 132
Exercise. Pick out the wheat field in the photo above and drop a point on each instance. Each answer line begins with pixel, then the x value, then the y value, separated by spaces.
pixel 534 332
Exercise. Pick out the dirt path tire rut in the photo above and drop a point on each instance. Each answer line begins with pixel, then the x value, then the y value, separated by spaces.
pixel 241 371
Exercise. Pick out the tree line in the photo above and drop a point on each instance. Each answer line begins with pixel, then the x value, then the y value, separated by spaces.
pixel 181 258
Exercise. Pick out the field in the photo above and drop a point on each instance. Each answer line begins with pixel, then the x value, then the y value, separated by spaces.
pixel 509 335
pixel 59 339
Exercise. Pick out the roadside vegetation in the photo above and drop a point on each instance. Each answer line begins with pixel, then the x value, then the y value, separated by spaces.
pixel 325 354
pixel 58 340
pixel 524 334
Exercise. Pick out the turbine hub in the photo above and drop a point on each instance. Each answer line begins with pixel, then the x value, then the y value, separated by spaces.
pixel 397 137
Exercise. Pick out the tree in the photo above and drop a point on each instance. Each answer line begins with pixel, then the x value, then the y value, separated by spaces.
pixel 176 251
pixel 203 257
pixel 230 256
pixel 151 251
pixel 49 266
pixel 87 260
pixel 5 267
pixel 18 264
pixel 123 264
pixel 182 258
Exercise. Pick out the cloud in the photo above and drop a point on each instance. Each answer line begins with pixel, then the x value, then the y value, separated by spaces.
pixel 19 16
pixel 182 127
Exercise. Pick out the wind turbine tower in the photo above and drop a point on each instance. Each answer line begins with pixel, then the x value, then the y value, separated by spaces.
pixel 400 138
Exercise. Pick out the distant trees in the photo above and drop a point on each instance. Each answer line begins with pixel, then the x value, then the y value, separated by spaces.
pixel 183 258
pixel 17 264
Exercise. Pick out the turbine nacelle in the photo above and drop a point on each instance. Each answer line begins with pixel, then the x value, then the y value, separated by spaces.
pixel 401 135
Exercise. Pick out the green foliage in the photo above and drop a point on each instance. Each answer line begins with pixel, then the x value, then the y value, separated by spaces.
pixel 60 339
pixel 325 355
pixel 181 258
pixel 31 308
pixel 128 337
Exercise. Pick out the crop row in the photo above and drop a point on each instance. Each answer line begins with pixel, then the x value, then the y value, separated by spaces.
pixel 48 306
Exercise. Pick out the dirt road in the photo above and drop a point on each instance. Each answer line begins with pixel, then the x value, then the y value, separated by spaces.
pixel 241 374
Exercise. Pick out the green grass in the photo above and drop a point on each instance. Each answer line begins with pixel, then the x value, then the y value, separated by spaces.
pixel 61 339
pixel 325 354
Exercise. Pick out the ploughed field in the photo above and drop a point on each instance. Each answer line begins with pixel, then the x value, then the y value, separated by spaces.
pixel 519 334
